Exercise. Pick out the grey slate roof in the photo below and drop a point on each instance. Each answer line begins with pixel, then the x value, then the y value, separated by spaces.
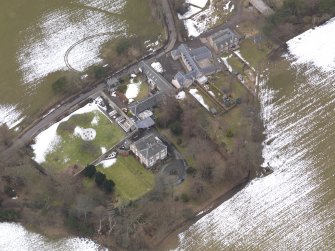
pixel 149 146
pixel 225 36
pixel 145 123
pixel 191 57
pixel 147 104
pixel 161 82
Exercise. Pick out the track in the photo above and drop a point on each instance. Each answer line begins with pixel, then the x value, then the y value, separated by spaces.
pixel 67 53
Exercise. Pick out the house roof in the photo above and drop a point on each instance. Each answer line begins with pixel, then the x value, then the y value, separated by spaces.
pixel 149 145
pixel 148 103
pixel 225 36
pixel 145 123
pixel 191 57
pixel 162 83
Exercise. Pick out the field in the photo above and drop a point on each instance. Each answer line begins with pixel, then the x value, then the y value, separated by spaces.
pixel 132 180
pixel 73 149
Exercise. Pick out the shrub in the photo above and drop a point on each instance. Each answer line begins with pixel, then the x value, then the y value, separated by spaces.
pixel 191 170
pixel 100 178
pixel 230 133
pixel 184 197
pixel 8 215
pixel 122 88
pixel 89 171
pixel 9 191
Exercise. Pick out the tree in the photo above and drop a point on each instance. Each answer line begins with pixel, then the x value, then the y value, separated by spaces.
pixel 108 185
pixel 89 171
pixel 176 128
pixel 100 178
pixel 9 191
pixel 169 111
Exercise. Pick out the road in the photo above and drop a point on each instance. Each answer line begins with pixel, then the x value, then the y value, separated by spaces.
pixel 72 103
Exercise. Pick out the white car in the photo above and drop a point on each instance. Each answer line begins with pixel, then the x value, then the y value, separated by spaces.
pixel 112 155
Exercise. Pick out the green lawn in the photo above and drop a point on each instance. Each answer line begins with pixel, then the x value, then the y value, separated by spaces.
pixel 132 180
pixel 236 64
pixel 73 149
pixel 144 92
pixel 228 84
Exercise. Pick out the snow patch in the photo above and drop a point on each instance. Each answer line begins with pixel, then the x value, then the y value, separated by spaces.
pixel 108 163
pixel 133 89
pixel 86 134
pixel 201 21
pixel 157 67
pixel 103 150
pixel 181 95
pixel 95 120
pixel 197 96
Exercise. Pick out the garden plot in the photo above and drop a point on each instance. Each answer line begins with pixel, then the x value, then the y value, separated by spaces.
pixel 77 139
pixel 137 89
pixel 132 180
pixel 205 100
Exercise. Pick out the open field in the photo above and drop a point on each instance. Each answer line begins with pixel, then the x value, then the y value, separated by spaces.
pixel 72 149
pixel 132 180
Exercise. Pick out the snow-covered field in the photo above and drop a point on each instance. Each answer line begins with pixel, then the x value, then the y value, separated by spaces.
pixel 14 237
pixel 57 32
pixel 195 94
pixel 204 19
pixel 315 46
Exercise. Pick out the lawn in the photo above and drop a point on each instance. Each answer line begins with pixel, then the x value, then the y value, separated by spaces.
pixel 144 92
pixel 132 180
pixel 72 149
pixel 254 53
pixel 228 84
pixel 236 64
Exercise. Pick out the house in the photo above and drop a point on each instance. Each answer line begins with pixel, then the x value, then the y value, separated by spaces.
pixel 154 78
pixel 224 40
pixel 197 63
pixel 149 149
